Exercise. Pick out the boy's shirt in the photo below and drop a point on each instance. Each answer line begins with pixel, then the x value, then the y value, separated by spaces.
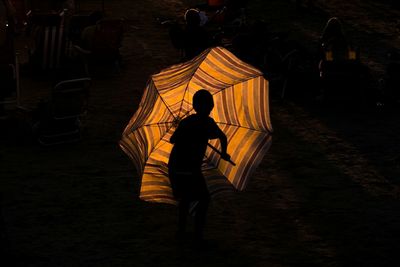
pixel 190 142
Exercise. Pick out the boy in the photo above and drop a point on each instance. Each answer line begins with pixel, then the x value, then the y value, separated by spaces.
pixel 190 141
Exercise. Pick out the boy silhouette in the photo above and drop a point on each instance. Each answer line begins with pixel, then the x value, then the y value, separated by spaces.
pixel 190 141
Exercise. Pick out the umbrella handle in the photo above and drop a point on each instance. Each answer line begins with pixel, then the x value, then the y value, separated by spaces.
pixel 220 153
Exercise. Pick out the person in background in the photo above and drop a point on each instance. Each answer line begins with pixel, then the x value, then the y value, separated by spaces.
pixel 342 73
pixel 334 41
pixel 195 36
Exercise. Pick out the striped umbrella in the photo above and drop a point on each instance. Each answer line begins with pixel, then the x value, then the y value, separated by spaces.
pixel 241 111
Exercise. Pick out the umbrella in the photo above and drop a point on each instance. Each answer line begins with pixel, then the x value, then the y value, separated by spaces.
pixel 241 110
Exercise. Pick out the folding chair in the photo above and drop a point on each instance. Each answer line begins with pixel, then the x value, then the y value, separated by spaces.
pixel 48 29
pixel 59 121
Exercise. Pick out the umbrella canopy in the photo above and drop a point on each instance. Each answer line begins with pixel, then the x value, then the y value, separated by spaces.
pixel 241 111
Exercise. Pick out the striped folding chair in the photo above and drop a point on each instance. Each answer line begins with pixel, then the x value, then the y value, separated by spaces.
pixel 49 38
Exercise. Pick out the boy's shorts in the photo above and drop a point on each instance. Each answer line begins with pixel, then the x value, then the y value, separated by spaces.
pixel 188 185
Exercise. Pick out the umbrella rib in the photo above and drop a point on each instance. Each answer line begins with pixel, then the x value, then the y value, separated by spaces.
pixel 250 78
pixel 156 124
pixel 231 85
pixel 223 89
pixel 235 125
pixel 162 99
pixel 156 147
pixel 183 98
pixel 187 86
pixel 152 124
pixel 186 89
pixel 240 126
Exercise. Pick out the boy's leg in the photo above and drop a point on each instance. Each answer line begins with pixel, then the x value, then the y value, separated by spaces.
pixel 201 214
pixel 183 208
pixel 203 197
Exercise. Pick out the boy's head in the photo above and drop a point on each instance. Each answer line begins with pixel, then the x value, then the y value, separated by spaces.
pixel 203 102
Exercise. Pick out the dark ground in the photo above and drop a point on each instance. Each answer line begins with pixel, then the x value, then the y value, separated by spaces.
pixel 326 194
